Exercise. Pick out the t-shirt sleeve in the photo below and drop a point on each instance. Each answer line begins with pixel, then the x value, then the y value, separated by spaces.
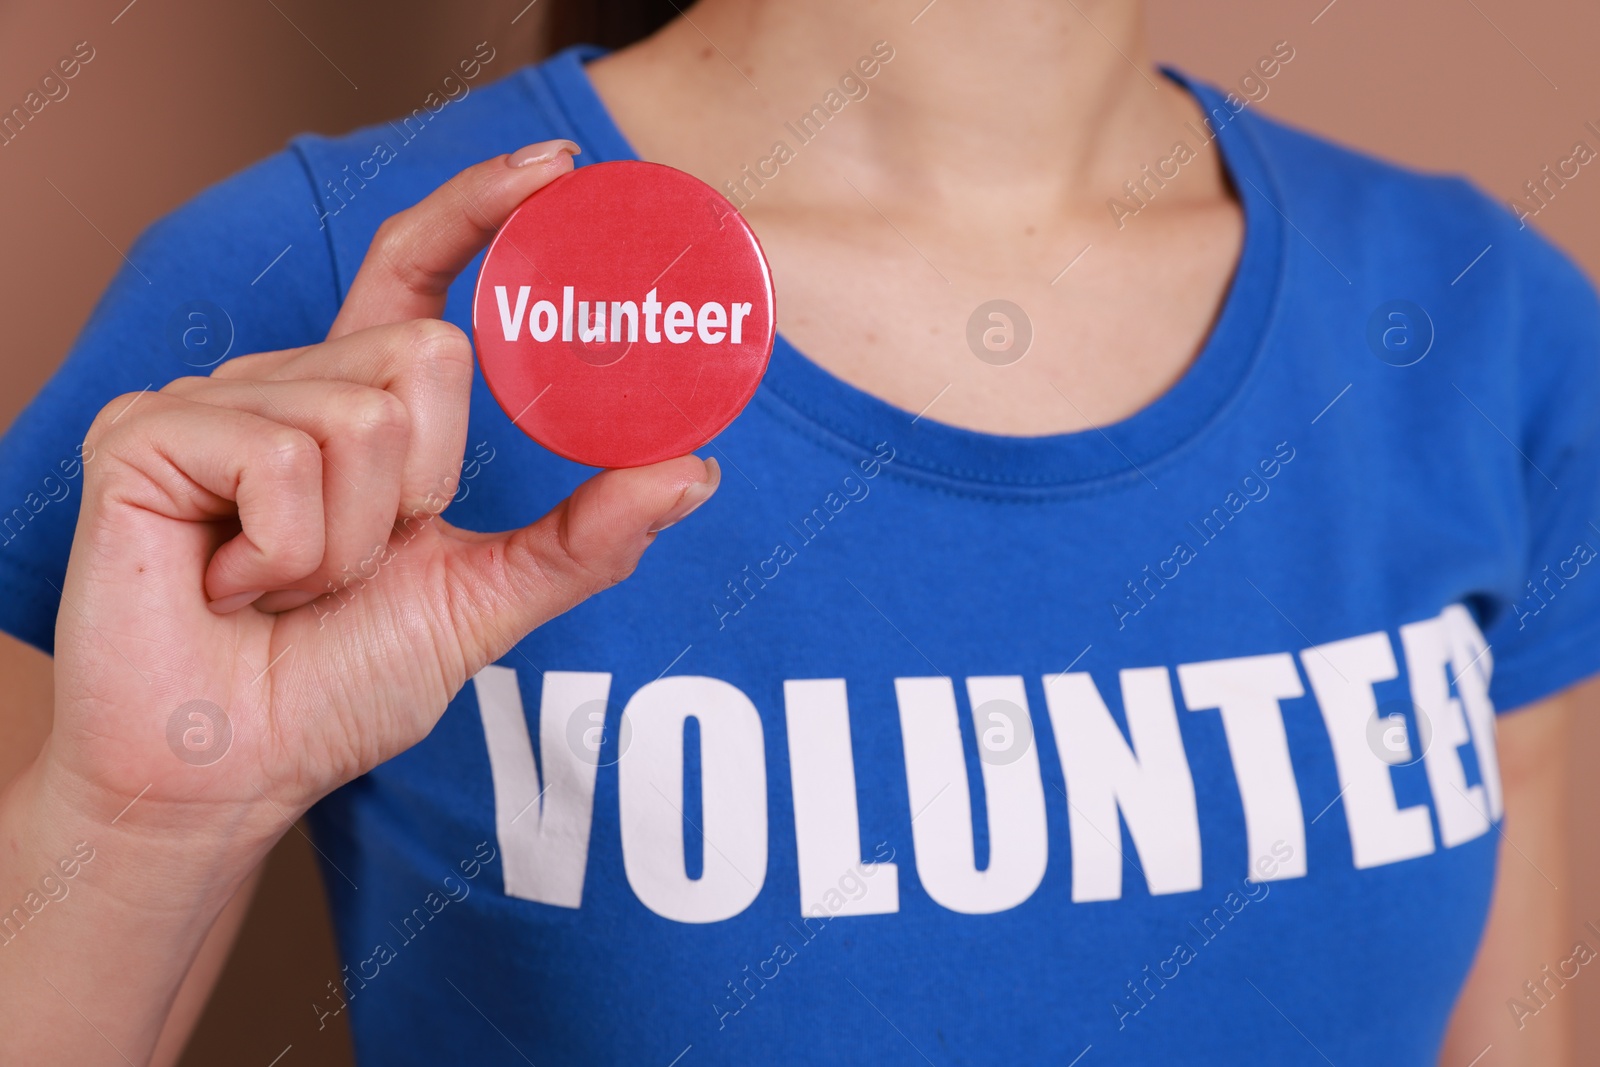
pixel 1547 637
pixel 244 267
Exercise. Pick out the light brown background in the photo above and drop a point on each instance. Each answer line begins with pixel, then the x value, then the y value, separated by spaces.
pixel 183 92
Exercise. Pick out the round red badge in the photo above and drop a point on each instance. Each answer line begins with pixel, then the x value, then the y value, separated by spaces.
pixel 624 314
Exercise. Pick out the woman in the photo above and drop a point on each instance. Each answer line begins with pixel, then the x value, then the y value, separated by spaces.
pixel 1092 652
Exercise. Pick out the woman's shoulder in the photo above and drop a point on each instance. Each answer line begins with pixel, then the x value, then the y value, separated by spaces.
pixel 1390 225
pixel 1360 197
pixel 326 194
pixel 259 261
pixel 360 178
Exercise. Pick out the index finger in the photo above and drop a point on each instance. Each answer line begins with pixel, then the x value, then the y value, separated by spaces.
pixel 418 252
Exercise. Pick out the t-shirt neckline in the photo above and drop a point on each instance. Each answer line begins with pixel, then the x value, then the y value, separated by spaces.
pixel 1120 454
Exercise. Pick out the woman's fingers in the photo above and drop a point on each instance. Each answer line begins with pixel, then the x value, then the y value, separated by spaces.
pixel 425 363
pixel 363 433
pixel 373 422
pixel 388 337
pixel 417 253
pixel 521 580
pixel 193 462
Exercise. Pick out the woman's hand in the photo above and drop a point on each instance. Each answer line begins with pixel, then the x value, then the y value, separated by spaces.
pixel 207 691
pixel 219 513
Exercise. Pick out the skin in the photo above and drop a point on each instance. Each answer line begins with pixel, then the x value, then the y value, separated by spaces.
pixel 962 193
pixel 206 526
pixel 981 161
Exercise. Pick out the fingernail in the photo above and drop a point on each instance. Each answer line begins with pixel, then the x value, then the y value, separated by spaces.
pixel 543 152
pixel 693 497
pixel 228 604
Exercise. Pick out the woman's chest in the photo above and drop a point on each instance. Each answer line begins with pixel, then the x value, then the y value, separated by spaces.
pixel 1002 326
pixel 1070 752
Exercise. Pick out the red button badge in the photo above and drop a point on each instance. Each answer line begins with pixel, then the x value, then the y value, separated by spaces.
pixel 624 314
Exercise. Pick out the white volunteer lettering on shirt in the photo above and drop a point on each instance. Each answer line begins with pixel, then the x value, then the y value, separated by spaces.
pixel 936 781
pixel 1471 667
pixel 1461 809
pixel 714 322
pixel 1342 674
pixel 827 825
pixel 544 838
pixel 1246 692
pixel 733 799
pixel 543 833
pixel 1149 784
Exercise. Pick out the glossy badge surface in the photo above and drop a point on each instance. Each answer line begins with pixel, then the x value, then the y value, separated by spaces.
pixel 624 314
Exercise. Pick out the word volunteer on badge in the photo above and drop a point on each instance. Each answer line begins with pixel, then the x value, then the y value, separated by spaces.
pixel 624 314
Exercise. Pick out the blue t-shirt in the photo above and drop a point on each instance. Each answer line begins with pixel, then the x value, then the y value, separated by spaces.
pixel 1171 741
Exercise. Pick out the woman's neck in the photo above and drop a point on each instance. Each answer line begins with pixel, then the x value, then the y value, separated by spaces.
pixel 1043 105
pixel 896 192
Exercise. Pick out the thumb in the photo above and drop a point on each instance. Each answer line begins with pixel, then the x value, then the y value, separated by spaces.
pixel 519 581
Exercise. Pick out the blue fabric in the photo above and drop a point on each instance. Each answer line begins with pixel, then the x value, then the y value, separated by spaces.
pixel 1291 491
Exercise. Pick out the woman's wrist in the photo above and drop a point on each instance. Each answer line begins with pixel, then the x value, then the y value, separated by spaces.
pixel 145 850
pixel 110 908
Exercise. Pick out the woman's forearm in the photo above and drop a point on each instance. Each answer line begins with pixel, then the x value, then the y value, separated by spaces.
pixel 204 972
pixel 103 915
